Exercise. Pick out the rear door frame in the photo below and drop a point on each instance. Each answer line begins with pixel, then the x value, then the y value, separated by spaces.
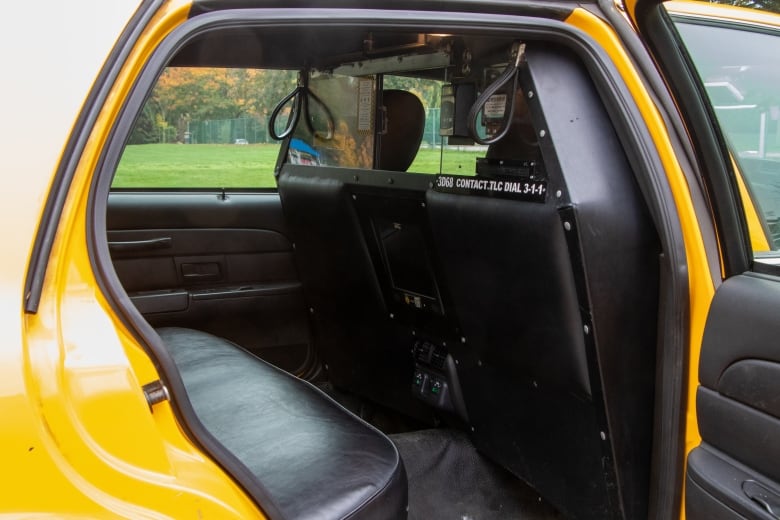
pixel 714 461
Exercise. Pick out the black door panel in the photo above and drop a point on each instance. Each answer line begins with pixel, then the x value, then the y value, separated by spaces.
pixel 177 209
pixel 742 324
pixel 735 473
pixel 743 432
pixel 216 262
pixel 196 256
pixel 721 497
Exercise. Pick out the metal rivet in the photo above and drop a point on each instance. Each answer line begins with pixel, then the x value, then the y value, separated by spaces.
pixel 479 362
pixel 326 366
pixel 542 133
pixel 586 329
pixel 457 362
pixel 422 204
pixel 354 197
pixel 414 333
pixel 443 343
pixel 567 226
pixel 603 436
pixel 530 93
pixel 463 339
pixel 311 310
pixel 392 316
pixel 472 429
pixel 535 384
pixel 559 194
pixel 155 392
pixel 390 181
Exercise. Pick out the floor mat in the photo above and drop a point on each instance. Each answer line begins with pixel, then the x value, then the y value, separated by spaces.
pixel 449 480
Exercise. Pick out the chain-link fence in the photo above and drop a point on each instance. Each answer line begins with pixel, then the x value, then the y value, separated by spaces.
pixel 251 130
pixel 431 135
pixel 243 130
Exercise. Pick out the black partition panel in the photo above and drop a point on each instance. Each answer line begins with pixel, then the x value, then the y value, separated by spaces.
pixel 556 297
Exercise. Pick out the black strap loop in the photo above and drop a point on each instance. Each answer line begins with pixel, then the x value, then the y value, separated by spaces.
pixel 300 97
pixel 509 74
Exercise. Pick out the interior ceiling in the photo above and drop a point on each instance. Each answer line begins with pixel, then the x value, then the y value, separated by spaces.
pixel 288 48
pixel 297 47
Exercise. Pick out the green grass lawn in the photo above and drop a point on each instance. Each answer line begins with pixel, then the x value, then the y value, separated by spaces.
pixel 232 166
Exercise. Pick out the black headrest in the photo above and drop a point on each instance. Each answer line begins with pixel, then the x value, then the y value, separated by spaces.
pixel 405 127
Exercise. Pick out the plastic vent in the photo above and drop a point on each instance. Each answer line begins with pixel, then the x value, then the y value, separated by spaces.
pixel 429 354
pixel 422 351
pixel 438 357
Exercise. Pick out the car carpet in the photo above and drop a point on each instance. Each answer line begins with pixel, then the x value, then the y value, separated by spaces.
pixel 449 479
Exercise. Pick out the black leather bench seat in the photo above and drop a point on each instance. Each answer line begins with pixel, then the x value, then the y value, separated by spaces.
pixel 315 458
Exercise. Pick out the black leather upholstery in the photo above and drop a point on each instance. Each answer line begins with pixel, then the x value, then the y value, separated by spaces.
pixel 405 127
pixel 316 459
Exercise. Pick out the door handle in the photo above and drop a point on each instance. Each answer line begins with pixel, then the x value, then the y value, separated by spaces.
pixel 140 245
pixel 767 499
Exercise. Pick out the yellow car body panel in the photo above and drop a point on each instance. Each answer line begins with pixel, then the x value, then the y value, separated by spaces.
pixel 758 238
pixel 79 438
pixel 723 12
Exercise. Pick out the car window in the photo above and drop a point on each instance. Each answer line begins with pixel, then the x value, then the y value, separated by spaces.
pixel 334 125
pixel 205 128
pixel 338 127
pixel 436 154
pixel 741 80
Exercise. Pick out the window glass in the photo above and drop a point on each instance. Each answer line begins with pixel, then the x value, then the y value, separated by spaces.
pixel 336 123
pixel 350 101
pixel 741 79
pixel 436 154
pixel 205 128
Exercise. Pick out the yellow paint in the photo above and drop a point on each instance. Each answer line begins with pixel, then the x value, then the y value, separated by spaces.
pixel 82 440
pixel 758 239
pixel 725 12
pixel 701 285
pixel 629 8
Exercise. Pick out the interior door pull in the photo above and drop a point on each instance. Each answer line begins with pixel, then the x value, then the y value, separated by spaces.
pixel 767 499
pixel 140 245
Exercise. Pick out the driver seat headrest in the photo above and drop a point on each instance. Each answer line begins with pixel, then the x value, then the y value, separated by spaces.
pixel 405 126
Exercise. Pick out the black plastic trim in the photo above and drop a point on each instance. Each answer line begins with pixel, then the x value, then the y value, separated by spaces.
pixel 71 155
pixel 667 466
pixel 569 223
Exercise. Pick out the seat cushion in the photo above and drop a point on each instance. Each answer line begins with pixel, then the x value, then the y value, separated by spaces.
pixel 315 458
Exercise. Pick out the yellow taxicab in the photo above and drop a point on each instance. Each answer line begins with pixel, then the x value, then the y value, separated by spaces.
pixel 402 259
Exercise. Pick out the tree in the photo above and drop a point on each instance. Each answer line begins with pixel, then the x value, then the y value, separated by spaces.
pixel 764 5
pixel 186 94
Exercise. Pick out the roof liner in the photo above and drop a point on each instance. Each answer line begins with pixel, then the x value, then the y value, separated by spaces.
pixel 554 9
pixel 320 48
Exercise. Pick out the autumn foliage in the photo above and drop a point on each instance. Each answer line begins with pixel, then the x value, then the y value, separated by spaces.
pixel 187 94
